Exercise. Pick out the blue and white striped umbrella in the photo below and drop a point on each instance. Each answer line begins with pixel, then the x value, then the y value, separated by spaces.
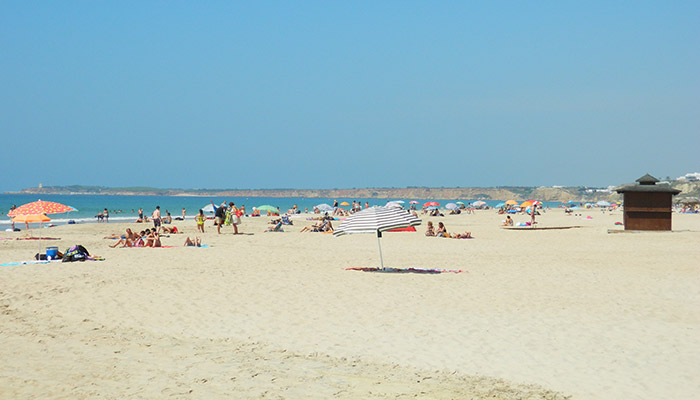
pixel 377 220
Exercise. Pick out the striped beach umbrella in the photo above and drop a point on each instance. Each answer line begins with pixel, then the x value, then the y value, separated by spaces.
pixel 377 220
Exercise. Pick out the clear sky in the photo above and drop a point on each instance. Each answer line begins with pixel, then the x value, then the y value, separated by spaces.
pixel 330 94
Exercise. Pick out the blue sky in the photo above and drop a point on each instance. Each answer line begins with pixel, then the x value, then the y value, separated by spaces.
pixel 348 94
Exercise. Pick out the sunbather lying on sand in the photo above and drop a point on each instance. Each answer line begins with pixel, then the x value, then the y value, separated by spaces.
pixel 196 242
pixel 170 230
pixel 129 235
pixel 465 235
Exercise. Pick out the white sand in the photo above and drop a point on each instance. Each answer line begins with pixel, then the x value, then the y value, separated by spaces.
pixel 539 314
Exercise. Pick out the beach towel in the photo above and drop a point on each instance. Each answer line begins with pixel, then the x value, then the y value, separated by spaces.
pixel 29 262
pixel 407 229
pixel 407 270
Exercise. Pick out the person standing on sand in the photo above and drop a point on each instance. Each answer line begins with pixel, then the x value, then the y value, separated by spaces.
pixel 533 210
pixel 235 217
pixel 200 218
pixel 12 218
pixel 156 219
pixel 183 213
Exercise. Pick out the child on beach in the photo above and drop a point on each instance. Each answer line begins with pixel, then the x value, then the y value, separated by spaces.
pixel 430 231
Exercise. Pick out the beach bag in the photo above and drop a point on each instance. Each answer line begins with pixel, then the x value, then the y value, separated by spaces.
pixel 76 253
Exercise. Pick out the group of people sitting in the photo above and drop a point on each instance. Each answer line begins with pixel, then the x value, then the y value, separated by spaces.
pixel 442 232
pixel 323 225
pixel 146 238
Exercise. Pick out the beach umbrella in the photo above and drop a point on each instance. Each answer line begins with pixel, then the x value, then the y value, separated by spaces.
pixel 431 204
pixel 209 208
pixel 377 220
pixel 603 203
pixel 40 207
pixel 393 204
pixel 345 203
pixel 31 218
pixel 479 203
pixel 511 203
pixel 500 205
pixel 267 208
pixel 397 201
pixel 414 202
pixel 40 218
pixel 526 204
pixel 461 203
pixel 325 207
pixel 451 206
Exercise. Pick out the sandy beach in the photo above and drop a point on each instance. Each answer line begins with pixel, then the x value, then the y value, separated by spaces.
pixel 576 313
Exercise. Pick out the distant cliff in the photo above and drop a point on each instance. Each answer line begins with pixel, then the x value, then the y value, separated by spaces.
pixel 689 188
pixel 465 193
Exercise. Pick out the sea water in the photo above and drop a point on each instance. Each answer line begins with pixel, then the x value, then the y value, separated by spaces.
pixel 125 208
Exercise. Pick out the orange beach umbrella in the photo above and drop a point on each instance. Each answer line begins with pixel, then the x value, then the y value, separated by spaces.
pixel 40 207
pixel 511 203
pixel 31 218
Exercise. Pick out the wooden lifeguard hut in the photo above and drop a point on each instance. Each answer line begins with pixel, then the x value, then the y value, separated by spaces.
pixel 647 205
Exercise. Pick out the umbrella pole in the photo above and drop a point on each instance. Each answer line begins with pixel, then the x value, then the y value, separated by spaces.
pixel 381 259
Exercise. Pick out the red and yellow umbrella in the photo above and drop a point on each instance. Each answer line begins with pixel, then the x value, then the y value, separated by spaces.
pixel 40 207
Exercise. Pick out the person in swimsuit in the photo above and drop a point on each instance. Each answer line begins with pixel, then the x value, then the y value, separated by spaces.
pixel 156 218
pixel 441 230
pixel 193 242
pixel 200 218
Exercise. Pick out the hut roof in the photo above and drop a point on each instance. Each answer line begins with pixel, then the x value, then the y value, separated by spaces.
pixel 647 180
pixel 647 183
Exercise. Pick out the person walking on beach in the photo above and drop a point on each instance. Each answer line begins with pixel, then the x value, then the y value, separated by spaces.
pixel 183 213
pixel 533 210
pixel 220 216
pixel 156 219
